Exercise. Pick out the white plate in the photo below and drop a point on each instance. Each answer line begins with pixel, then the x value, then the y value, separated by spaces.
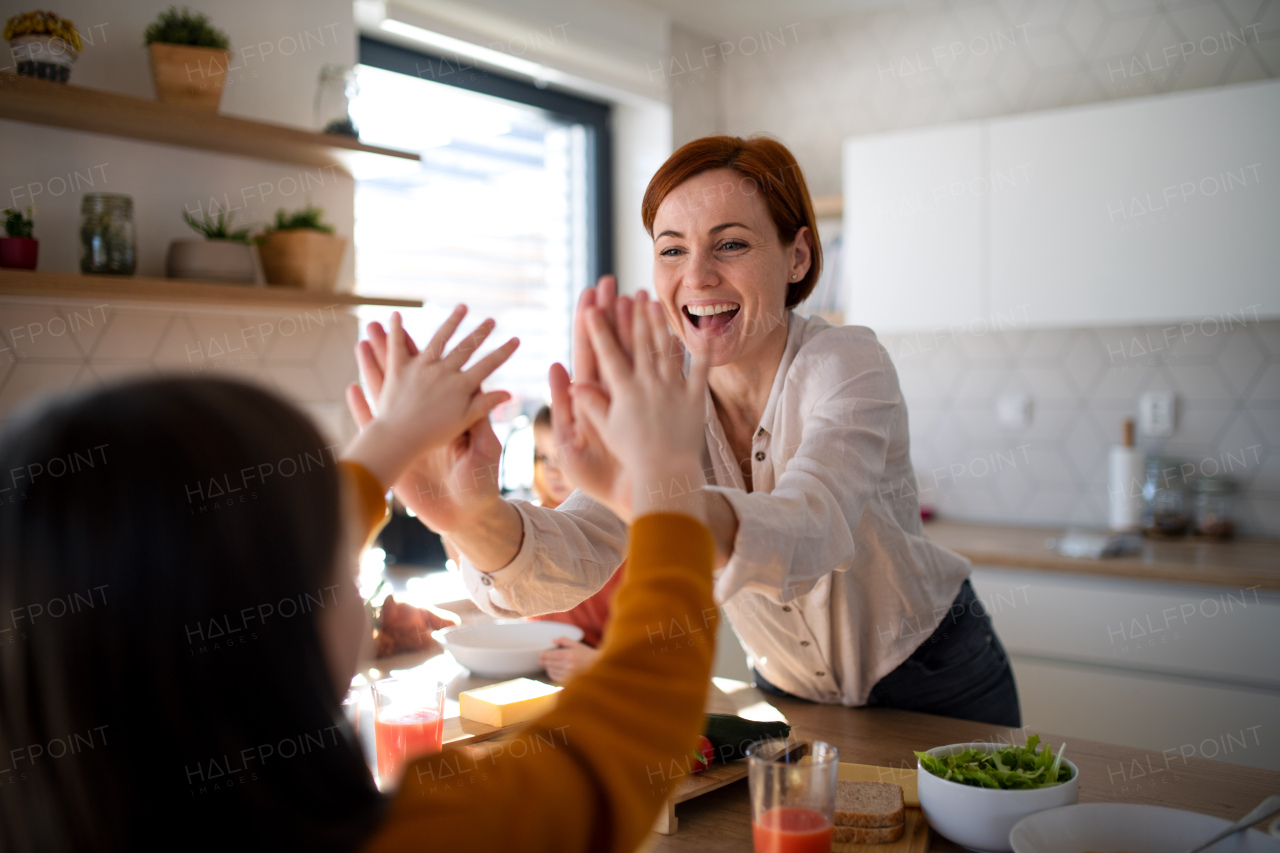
pixel 1112 827
pixel 504 649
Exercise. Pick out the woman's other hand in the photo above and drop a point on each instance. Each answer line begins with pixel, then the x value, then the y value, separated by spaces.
pixel 567 659
pixel 426 400
pixel 648 416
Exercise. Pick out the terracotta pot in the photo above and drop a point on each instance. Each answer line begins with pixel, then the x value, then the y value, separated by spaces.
pixel 210 260
pixel 19 253
pixel 43 57
pixel 189 76
pixel 302 257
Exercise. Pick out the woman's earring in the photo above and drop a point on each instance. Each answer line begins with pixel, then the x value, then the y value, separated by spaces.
pixel 793 278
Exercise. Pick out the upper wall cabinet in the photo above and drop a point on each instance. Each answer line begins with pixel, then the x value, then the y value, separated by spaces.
pixel 1144 210
pixel 913 228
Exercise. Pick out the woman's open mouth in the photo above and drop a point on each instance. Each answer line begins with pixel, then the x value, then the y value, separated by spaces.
pixel 711 318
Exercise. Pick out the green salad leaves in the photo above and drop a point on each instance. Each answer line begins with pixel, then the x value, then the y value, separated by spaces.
pixel 1010 768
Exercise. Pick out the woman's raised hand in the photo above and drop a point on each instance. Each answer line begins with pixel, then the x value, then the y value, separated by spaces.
pixel 648 417
pixel 430 408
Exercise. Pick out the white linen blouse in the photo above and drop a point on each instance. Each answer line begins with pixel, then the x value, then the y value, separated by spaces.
pixel 832 583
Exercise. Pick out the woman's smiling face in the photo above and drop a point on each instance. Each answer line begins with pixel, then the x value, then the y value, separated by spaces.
pixel 720 270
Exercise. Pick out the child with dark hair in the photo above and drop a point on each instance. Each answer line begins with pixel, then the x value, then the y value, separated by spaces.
pixel 179 620
pixel 552 486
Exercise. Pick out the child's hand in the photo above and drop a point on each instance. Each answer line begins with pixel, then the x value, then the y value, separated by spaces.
pixel 652 419
pixel 567 659
pixel 427 399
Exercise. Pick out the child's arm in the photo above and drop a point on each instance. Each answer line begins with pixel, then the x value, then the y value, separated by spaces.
pixel 593 774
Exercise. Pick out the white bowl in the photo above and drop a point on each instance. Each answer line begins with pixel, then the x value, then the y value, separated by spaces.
pixel 504 649
pixel 1125 826
pixel 981 818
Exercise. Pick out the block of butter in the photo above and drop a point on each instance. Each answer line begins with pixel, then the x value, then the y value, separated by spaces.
pixel 507 703
pixel 906 777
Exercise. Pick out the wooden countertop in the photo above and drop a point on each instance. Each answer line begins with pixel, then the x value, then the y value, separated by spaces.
pixel 721 820
pixel 1241 563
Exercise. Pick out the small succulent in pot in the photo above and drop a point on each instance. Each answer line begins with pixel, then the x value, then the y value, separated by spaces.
pixel 185 27
pixel 44 45
pixel 19 249
pixel 308 217
pixel 189 59
pixel 301 250
pixel 216 226
pixel 223 256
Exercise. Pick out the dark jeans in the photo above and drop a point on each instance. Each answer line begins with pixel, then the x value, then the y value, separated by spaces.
pixel 961 671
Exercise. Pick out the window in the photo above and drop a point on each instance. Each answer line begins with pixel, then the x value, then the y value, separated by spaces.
pixel 507 213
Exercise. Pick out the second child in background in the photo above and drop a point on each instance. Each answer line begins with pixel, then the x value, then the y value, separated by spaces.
pixel 552 486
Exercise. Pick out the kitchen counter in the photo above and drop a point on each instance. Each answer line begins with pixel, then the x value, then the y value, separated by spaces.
pixel 1241 563
pixel 721 820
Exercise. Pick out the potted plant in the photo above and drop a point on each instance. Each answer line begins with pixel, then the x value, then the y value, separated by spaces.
pixel 223 255
pixel 189 58
pixel 19 249
pixel 301 251
pixel 43 45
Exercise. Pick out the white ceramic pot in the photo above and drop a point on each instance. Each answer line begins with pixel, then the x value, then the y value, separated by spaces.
pixel 982 818
pixel 220 261
pixel 44 57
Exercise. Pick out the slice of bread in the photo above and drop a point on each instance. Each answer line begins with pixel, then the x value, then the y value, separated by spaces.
pixel 868 835
pixel 869 804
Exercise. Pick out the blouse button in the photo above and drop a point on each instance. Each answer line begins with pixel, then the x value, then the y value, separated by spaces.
pixel 759 455
pixel 804 642
pixel 786 608
pixel 820 674
pixel 486 580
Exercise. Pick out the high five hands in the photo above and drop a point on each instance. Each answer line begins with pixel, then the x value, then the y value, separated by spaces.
pixel 628 426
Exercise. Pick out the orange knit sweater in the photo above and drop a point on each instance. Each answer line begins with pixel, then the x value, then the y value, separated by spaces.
pixel 592 774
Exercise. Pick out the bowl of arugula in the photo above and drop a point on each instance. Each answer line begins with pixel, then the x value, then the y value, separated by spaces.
pixel 973 793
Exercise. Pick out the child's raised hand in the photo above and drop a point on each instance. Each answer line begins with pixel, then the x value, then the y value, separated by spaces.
pixel 428 398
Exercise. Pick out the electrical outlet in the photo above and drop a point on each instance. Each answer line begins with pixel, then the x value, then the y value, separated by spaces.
pixel 1156 414
pixel 1014 411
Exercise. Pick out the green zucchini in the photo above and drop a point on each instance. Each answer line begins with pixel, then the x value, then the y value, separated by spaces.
pixel 732 735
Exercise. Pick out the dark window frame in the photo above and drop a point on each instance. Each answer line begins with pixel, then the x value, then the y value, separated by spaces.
pixel 593 115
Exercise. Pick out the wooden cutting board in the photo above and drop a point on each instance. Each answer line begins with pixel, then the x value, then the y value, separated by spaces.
pixel 688 787
pixel 914 840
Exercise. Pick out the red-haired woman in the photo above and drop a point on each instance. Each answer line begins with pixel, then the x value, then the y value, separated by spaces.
pixel 827 577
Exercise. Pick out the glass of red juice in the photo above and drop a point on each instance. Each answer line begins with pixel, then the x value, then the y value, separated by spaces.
pixel 408 723
pixel 793 795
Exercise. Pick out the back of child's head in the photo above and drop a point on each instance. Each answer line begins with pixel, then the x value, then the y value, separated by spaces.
pixel 167 548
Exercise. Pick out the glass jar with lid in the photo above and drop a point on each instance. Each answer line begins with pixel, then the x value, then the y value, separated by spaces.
pixel 334 94
pixel 106 234
pixel 1212 506
pixel 1164 509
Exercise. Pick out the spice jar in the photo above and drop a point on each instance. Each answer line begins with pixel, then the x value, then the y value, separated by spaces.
pixel 106 234
pixel 1213 507
pixel 1164 513
pixel 336 90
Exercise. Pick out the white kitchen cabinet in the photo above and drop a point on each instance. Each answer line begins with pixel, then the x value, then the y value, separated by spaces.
pixel 1144 210
pixel 1147 664
pixel 1139 211
pixel 913 228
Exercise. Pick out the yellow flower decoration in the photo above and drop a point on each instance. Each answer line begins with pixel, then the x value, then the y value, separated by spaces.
pixel 43 24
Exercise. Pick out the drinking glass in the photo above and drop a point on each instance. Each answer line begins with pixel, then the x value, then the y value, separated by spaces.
pixel 408 722
pixel 793 795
